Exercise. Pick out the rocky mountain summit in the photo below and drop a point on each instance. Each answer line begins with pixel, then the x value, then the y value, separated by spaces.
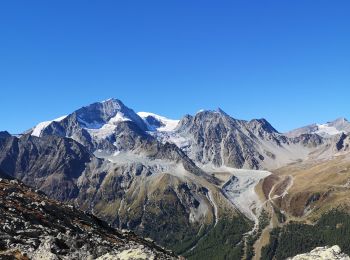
pixel 36 227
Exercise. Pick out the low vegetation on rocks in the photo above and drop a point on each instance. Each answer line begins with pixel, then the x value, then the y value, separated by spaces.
pixel 32 226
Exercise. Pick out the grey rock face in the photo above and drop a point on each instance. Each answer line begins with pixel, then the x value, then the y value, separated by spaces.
pixel 343 144
pixel 309 140
pixel 219 139
pixel 51 163
pixel 216 138
pixel 5 175
pixel 153 122
pixel 4 134
pixel 261 127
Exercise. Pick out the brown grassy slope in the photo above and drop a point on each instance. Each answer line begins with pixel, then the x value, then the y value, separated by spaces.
pixel 317 187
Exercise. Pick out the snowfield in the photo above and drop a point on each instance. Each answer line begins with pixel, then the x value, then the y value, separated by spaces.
pixel 167 124
pixel 325 130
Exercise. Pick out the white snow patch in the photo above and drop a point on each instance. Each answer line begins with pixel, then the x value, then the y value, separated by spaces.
pixel 102 131
pixel 325 129
pixel 119 117
pixel 38 129
pixel 168 124
pixel 107 100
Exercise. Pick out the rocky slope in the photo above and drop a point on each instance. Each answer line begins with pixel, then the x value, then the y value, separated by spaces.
pixel 329 253
pixel 36 227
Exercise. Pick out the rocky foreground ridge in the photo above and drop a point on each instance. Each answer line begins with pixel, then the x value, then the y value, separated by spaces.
pixel 323 253
pixel 32 226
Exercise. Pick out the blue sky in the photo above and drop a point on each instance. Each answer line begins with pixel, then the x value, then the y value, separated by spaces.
pixel 287 61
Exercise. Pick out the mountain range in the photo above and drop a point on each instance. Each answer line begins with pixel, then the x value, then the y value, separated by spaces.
pixel 203 186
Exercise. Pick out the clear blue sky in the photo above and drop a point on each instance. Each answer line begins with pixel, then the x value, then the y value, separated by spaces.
pixel 287 61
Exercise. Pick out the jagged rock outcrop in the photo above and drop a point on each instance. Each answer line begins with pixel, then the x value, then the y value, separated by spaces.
pixel 36 227
pixel 323 253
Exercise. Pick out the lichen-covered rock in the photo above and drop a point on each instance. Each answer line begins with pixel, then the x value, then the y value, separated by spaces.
pixel 32 226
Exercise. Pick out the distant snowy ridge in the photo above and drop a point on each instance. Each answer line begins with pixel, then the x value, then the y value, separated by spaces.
pixel 338 126
pixel 41 126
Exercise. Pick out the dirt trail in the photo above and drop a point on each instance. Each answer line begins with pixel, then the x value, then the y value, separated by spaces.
pixel 215 207
pixel 263 240
pixel 285 192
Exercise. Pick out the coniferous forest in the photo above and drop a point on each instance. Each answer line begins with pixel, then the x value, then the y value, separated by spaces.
pixel 333 228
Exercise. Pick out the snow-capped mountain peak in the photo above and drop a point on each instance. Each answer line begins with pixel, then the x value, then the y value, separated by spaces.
pixel 98 116
pixel 108 111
